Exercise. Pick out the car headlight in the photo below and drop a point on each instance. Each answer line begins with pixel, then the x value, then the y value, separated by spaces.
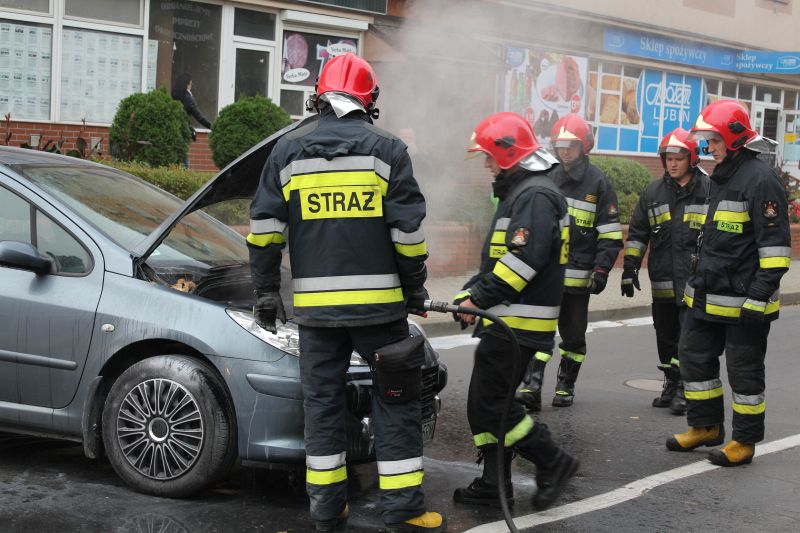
pixel 287 339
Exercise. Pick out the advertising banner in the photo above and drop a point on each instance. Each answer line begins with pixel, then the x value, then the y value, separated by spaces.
pixel 544 86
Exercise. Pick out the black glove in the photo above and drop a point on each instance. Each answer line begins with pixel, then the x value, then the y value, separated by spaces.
pixel 598 280
pixel 269 306
pixel 750 318
pixel 630 279
pixel 461 297
pixel 414 300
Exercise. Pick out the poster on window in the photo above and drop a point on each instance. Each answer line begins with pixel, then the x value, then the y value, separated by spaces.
pixel 304 55
pixel 544 86
pixel 25 65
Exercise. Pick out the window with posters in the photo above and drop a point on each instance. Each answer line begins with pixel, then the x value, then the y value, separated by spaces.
pixel 184 38
pixel 25 69
pixel 304 55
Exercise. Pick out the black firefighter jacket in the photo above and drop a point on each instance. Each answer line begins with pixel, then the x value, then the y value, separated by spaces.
pixel 595 237
pixel 668 218
pixel 346 191
pixel 522 262
pixel 746 245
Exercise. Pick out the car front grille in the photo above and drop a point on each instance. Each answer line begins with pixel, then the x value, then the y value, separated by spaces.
pixel 429 382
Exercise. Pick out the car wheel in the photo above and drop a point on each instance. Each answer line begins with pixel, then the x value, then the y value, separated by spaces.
pixel 168 427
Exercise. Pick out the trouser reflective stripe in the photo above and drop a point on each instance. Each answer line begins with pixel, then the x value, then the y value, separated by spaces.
pixel 702 343
pixel 400 474
pixel 324 361
pixel 749 404
pixel 575 356
pixel 512 436
pixel 326 477
pixel 543 356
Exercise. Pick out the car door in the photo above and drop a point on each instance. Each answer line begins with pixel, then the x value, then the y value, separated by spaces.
pixel 46 321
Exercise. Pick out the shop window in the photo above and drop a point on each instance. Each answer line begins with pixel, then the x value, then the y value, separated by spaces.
pixel 25 70
pixel 121 11
pixel 98 70
pixel 591 96
pixel 790 100
pixel 768 95
pixel 728 89
pixel 293 102
pixel 712 86
pixel 40 6
pixel 745 92
pixel 184 38
pixel 254 24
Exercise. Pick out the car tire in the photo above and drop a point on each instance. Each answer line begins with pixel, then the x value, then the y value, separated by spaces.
pixel 168 426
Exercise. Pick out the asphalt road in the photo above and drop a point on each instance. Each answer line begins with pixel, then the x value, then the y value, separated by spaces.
pixel 49 486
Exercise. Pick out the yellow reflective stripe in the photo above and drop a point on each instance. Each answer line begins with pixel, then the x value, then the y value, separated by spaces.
pixel 326 477
pixel 660 219
pixel 335 179
pixel 496 252
pixel 543 356
pixel 754 307
pixel 703 394
pixel 582 218
pixel 576 282
pixel 411 250
pixel 509 276
pixel 633 252
pixel 694 217
pixel 773 307
pixel 512 437
pixel 375 296
pixel 774 262
pixel 689 300
pixel 498 237
pixel 663 293
pixel 720 310
pixel 613 235
pixel 463 294
pixel 732 216
pixel 527 324
pixel 749 409
pixel 482 439
pixel 265 239
pixel 401 481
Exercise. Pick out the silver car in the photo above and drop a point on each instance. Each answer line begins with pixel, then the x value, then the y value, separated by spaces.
pixel 126 324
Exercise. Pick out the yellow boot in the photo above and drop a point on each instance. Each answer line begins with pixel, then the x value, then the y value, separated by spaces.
pixel 426 522
pixel 696 437
pixel 733 454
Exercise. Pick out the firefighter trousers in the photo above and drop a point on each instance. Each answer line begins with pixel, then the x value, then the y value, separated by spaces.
pixel 572 322
pixel 324 360
pixel 488 388
pixel 667 318
pixel 702 343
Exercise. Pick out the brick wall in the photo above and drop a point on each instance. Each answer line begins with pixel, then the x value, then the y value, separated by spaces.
pixel 199 151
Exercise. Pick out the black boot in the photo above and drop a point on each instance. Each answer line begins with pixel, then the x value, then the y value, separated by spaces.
pixel 678 404
pixel 565 388
pixel 484 490
pixel 671 378
pixel 530 394
pixel 554 466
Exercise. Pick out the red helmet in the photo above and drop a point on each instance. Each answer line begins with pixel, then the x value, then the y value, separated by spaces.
pixel 351 75
pixel 507 137
pixel 572 128
pixel 727 118
pixel 679 141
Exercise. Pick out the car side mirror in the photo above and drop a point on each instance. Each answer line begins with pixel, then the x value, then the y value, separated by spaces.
pixel 25 256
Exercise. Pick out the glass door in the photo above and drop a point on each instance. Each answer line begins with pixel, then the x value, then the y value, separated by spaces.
pixel 765 122
pixel 253 66
pixel 788 151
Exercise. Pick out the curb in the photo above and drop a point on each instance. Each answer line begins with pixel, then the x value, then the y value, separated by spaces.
pixel 442 327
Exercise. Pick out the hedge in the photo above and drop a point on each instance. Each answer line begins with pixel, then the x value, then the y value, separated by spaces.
pixel 629 179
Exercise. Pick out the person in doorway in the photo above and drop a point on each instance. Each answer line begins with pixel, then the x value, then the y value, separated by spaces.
pixel 346 192
pixel 182 92
pixel 668 218
pixel 595 241
pixel 522 262
pixel 733 295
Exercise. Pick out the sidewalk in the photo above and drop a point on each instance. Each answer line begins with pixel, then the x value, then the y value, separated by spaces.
pixel 608 305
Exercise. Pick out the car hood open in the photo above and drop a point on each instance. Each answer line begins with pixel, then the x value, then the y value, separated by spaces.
pixel 236 181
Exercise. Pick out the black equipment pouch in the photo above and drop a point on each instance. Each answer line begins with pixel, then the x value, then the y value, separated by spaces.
pixel 398 370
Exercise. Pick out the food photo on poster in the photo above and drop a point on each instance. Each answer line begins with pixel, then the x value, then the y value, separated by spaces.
pixel 304 55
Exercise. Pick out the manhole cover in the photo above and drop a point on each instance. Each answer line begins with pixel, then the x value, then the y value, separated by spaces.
pixel 654 385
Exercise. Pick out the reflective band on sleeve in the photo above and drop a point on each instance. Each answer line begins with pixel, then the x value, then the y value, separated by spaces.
pixel 411 250
pixel 513 271
pixel 267 225
pixel 662 289
pixel 773 306
pixel 502 224
pixel 610 231
pixel 326 462
pixel 703 390
pixel 265 239
pixel 755 305
pixel 575 356
pixel 688 296
pixel 401 237
pixel 635 248
pixel 326 477
pixel 576 278
pixel 462 294
pixel 400 481
pixel 745 404
pixel 403 466
pixel 519 266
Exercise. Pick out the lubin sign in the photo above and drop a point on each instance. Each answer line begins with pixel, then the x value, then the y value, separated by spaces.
pixel 653 46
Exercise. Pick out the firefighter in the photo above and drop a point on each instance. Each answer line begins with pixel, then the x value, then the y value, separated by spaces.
pixel 346 191
pixel 733 294
pixel 522 269
pixel 668 218
pixel 595 242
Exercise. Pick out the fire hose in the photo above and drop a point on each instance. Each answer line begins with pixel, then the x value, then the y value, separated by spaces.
pixel 444 307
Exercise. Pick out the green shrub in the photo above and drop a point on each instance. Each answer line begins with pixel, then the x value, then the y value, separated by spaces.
pixel 174 179
pixel 629 179
pixel 242 124
pixel 151 128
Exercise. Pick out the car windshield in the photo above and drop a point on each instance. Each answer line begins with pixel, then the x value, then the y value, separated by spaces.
pixel 128 209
